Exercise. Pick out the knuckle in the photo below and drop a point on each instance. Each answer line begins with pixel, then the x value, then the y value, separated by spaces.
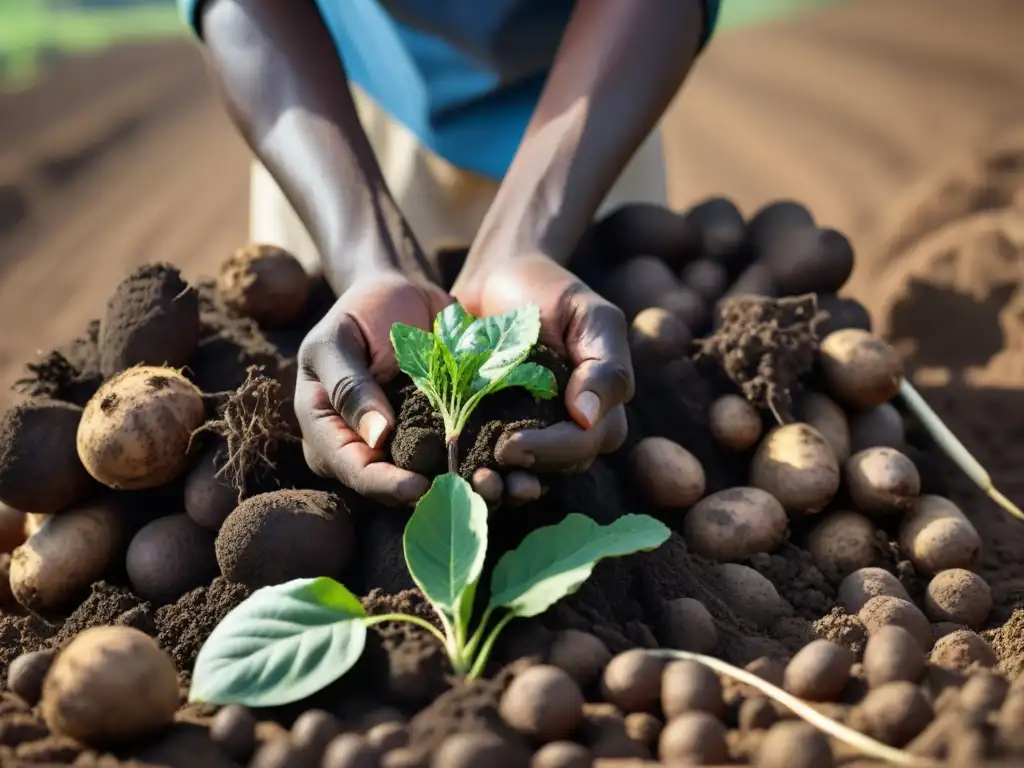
pixel 346 394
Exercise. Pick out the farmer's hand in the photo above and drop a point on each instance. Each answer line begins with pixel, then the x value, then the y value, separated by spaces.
pixel 344 415
pixel 589 331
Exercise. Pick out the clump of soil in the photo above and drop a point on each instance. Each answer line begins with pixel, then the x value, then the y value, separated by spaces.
pixel 765 346
pixel 70 373
pixel 152 319
pixel 418 444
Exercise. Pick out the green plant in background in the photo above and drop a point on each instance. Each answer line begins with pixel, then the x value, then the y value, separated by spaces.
pixel 289 641
pixel 467 358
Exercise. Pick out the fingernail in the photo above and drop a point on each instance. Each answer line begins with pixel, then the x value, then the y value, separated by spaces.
pixel 507 452
pixel 589 405
pixel 371 426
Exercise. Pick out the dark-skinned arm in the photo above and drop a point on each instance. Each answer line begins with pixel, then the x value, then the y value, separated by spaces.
pixel 285 87
pixel 617 68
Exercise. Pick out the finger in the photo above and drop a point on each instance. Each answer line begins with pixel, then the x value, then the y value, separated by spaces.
pixel 522 487
pixel 563 447
pixel 341 367
pixel 334 450
pixel 489 485
pixel 598 345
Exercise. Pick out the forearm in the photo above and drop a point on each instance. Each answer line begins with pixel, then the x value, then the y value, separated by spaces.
pixel 286 90
pixel 618 67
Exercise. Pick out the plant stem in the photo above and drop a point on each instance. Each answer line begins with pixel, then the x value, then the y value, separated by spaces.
pixel 833 728
pixel 422 623
pixel 480 664
pixel 953 448
pixel 477 636
pixel 453 454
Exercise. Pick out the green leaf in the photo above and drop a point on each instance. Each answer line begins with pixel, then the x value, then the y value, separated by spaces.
pixel 508 338
pixel 413 350
pixel 281 645
pixel 537 379
pixel 554 561
pixel 450 323
pixel 446 543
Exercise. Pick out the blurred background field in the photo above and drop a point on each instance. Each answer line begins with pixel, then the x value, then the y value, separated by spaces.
pixel 899 122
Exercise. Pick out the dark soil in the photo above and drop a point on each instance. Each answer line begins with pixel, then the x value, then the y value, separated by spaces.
pixel 765 347
pixel 70 373
pixel 418 442
pixel 152 319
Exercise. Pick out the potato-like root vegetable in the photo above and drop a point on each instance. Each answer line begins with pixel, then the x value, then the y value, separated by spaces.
pixel 693 738
pixel 543 703
pixel 794 744
pixel 152 319
pixel 278 536
pixel 734 524
pixel 39 466
pixel 66 555
pixel 822 413
pixel 935 535
pixel 884 611
pixel 892 654
pixel 809 260
pixel 878 427
pixel 893 713
pixel 959 596
pixel 707 277
pixel 860 370
pixel 209 499
pixel 962 649
pixel 843 542
pixel 718 228
pixel 882 480
pixel 169 557
pixel 637 228
pixel 735 423
pixel 137 429
pixel 639 283
pixel 658 335
pixel 687 625
pixel 266 283
pixel 632 681
pixel 666 474
pixel 819 671
pixel 863 584
pixel 110 685
pixel 688 686
pixel 580 654
pixel 797 466
pixel 750 594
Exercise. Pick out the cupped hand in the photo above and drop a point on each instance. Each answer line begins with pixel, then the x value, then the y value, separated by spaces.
pixel 592 335
pixel 344 414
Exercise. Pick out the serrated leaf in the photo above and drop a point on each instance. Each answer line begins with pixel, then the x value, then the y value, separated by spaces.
pixel 507 339
pixel 446 542
pixel 281 645
pixel 554 561
pixel 414 348
pixel 538 380
pixel 450 323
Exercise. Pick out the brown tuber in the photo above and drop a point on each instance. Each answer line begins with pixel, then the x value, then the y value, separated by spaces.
pixel 960 596
pixel 687 686
pixel 687 625
pixel 794 744
pixel 892 654
pixel 60 561
pixel 694 738
pixel 962 649
pixel 882 481
pixel 658 335
pixel 822 413
pixel 865 583
pixel 860 370
pixel 137 429
pixel 169 557
pixel 843 542
pixel 110 685
pixel 935 536
pixel 275 537
pixel 749 593
pixel 266 283
pixel 632 681
pixel 543 703
pixel 734 524
pixel 797 466
pixel 666 473
pixel 893 713
pixel 580 654
pixel 819 671
pixel 882 611
pixel 39 466
pixel 735 423
pixel 881 426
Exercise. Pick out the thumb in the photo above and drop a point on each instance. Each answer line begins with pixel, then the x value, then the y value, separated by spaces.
pixel 598 348
pixel 343 370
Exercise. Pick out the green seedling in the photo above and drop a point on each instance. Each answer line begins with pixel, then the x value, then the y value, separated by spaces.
pixel 467 358
pixel 289 641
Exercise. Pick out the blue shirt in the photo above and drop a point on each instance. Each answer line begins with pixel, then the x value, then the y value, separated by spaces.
pixel 463 75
